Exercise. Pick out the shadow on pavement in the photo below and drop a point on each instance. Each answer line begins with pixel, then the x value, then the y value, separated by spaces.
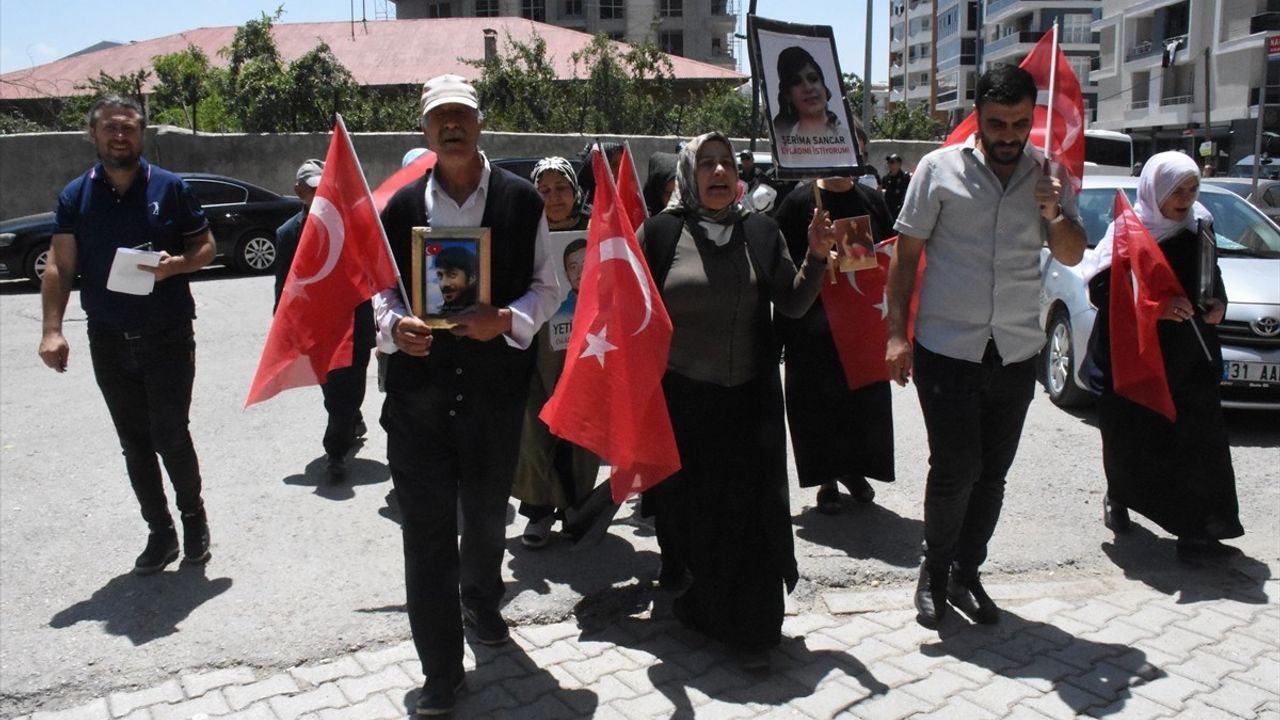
pixel 507 683
pixel 1086 675
pixel 360 471
pixel 144 608
pixel 613 560
pixel 864 532
pixel 795 672
pixel 1152 561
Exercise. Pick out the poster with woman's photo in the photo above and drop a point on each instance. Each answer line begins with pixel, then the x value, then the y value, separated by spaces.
pixel 570 251
pixel 450 272
pixel 799 78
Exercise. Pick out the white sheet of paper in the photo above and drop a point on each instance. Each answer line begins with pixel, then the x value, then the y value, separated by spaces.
pixel 125 277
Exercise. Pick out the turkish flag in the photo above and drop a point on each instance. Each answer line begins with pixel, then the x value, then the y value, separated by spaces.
pixel 1067 148
pixel 1142 285
pixel 342 260
pixel 405 175
pixel 630 192
pixel 857 306
pixel 609 398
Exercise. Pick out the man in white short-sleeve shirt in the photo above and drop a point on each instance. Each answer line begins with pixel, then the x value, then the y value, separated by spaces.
pixel 983 210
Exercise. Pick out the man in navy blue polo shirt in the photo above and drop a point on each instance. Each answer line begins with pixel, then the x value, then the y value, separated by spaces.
pixel 142 346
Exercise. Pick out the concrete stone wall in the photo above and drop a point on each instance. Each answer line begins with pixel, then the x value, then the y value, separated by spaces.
pixel 35 167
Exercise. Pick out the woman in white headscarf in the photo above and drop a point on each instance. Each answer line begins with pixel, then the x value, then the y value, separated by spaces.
pixel 1177 474
pixel 725 515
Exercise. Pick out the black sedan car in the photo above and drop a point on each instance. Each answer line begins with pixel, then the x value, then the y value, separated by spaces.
pixel 242 216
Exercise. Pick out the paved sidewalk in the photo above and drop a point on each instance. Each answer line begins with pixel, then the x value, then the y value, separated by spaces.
pixel 1197 644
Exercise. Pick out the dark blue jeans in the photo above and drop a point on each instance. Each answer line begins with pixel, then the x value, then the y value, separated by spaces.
pixel 973 413
pixel 451 444
pixel 146 381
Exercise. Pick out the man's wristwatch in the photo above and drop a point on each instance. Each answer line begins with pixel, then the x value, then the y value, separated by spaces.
pixel 1060 217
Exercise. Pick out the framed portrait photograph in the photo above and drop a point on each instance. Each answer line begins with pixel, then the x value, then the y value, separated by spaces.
pixel 450 272
pixel 1206 266
pixel 799 79
pixel 569 249
pixel 856 247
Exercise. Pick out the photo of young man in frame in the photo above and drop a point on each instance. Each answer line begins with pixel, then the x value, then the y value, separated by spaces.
pixel 450 272
pixel 809 119
pixel 571 249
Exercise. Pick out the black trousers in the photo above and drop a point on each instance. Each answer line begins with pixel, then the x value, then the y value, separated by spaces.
pixel 973 413
pixel 146 380
pixel 343 391
pixel 448 446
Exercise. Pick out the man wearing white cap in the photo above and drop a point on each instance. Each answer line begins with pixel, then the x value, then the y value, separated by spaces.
pixel 343 389
pixel 455 400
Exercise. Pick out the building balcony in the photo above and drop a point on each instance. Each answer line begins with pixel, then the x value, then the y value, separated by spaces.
pixel 996 7
pixel 1012 44
pixel 1173 111
pixel 1264 22
pixel 1144 49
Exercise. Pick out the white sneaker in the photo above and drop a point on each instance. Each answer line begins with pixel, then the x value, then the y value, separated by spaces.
pixel 537 532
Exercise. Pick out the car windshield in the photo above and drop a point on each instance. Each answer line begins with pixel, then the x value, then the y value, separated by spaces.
pixel 1240 228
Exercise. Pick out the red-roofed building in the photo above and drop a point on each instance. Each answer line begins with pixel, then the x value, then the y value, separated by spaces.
pixel 380 53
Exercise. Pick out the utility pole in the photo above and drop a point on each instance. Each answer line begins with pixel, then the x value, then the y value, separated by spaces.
pixel 1208 130
pixel 755 81
pixel 866 78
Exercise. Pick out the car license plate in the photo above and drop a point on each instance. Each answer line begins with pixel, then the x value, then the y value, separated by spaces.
pixel 1250 372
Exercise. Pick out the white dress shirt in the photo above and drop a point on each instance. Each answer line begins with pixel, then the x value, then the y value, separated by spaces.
pixel 528 312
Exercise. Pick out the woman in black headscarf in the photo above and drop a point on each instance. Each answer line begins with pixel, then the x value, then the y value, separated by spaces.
pixel 721 271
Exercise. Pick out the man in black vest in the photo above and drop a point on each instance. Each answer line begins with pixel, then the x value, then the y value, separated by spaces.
pixel 455 400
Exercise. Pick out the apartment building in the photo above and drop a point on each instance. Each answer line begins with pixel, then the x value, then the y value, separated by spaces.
pixel 700 30
pixel 1177 73
pixel 912 69
pixel 1011 28
pixel 937 48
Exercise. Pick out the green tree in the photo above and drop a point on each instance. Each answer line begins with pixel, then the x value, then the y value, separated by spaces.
pixel 907 121
pixel 855 88
pixel 519 91
pixel 319 86
pixel 181 81
pixel 622 93
pixel 256 83
pixel 721 109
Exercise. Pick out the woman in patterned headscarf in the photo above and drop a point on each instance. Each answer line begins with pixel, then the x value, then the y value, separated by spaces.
pixel 1178 473
pixel 557 183
pixel 553 475
pixel 725 514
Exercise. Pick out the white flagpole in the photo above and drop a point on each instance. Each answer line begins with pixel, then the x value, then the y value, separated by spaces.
pixel 1053 81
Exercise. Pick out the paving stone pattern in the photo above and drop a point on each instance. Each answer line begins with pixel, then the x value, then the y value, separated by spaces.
pixel 1093 648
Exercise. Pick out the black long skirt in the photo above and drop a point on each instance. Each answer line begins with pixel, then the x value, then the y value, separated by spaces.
pixel 835 431
pixel 726 513
pixel 1177 474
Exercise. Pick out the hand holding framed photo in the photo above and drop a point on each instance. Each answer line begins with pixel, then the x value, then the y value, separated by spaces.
pixel 450 272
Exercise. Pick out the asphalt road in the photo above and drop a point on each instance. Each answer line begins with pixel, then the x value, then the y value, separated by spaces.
pixel 302 571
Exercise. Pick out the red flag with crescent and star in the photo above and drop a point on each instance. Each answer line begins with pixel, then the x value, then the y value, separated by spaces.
pixel 857 307
pixel 1142 284
pixel 342 260
pixel 609 398
pixel 1067 103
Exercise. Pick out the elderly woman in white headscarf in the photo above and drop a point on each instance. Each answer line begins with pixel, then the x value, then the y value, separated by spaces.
pixel 725 515
pixel 1178 474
